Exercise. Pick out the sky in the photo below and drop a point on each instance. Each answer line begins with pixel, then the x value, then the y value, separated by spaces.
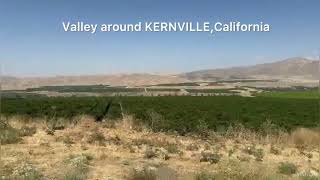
pixel 33 43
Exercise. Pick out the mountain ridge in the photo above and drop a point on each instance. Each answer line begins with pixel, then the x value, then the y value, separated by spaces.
pixel 291 67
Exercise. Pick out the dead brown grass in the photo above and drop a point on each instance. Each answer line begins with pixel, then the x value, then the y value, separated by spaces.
pixel 125 149
pixel 303 137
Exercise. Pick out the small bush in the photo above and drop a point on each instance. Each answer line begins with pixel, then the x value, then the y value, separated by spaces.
pixel 79 167
pixel 192 147
pixel 27 131
pixel 258 154
pixel 287 168
pixel 27 172
pixel 275 150
pixel 204 176
pixel 172 148
pixel 230 152
pixel 97 136
pixel 250 150
pixel 75 174
pixel 203 129
pixel 210 157
pixel 145 174
pixel 115 140
pixel 142 141
pixel 67 141
pixel 8 134
pixel 149 153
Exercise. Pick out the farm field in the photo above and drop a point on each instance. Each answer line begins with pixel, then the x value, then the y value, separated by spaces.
pixel 177 113
pixel 309 94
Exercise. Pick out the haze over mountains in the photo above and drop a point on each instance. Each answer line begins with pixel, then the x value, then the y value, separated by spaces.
pixel 296 68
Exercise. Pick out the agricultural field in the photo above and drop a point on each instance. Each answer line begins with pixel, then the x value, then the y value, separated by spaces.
pixel 176 113
pixel 86 88
pixel 180 84
pixel 308 94
pixel 163 89
pixel 230 90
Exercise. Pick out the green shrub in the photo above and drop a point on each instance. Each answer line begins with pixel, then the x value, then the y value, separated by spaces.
pixel 287 168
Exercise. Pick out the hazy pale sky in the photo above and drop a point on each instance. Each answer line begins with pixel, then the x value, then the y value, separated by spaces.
pixel 33 43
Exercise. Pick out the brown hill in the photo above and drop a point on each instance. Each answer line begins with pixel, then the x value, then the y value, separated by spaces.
pixel 115 80
pixel 290 68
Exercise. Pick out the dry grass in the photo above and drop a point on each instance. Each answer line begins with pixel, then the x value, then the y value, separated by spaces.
pixel 125 148
pixel 303 137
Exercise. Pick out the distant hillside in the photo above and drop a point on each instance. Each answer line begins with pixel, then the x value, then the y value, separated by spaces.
pixel 290 68
pixel 116 80
pixel 298 68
